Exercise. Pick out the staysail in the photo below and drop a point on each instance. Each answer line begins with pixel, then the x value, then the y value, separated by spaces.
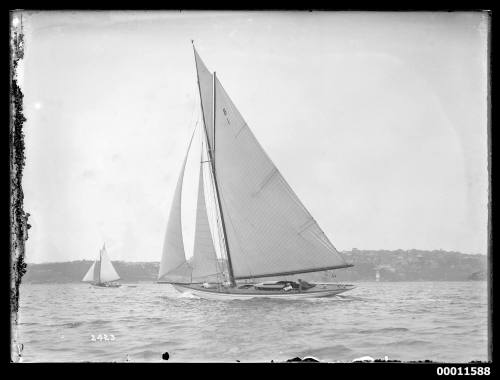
pixel 204 263
pixel 107 271
pixel 173 265
pixel 269 230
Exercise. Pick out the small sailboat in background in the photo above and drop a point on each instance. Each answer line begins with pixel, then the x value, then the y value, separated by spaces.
pixel 262 229
pixel 102 273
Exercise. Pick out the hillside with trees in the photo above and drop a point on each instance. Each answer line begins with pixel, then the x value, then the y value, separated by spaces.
pixel 399 265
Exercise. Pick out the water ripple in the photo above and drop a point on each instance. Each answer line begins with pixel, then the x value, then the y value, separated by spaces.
pixel 407 321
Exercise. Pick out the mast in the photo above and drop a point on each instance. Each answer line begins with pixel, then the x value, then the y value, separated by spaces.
pixel 211 157
pixel 229 263
pixel 100 262
pixel 99 266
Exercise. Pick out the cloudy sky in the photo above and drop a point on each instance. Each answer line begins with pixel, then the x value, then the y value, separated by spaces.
pixel 377 120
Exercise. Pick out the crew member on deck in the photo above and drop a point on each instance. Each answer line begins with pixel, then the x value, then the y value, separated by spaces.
pixel 303 285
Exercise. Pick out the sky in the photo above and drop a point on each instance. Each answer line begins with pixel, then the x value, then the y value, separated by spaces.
pixel 377 120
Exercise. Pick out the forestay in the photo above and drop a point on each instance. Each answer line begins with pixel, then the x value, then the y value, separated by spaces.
pixel 269 230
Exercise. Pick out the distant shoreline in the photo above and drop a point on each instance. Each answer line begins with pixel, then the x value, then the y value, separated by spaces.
pixel 390 266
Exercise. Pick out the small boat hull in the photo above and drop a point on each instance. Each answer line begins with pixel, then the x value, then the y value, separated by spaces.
pixel 106 285
pixel 319 291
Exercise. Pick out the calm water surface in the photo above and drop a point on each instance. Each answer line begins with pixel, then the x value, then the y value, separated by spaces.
pixel 440 321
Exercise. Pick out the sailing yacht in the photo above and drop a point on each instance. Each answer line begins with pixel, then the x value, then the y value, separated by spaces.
pixel 102 272
pixel 262 229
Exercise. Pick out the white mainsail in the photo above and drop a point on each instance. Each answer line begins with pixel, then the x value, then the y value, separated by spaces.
pixel 204 263
pixel 173 265
pixel 269 230
pixel 90 277
pixel 107 271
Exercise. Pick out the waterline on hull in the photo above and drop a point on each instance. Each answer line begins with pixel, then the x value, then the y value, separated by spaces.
pixel 220 295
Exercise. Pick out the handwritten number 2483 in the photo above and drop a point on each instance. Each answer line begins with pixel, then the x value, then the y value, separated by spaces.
pixel 102 337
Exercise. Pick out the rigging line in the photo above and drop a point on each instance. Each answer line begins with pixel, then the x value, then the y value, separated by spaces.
pixel 214 213
pixel 235 234
pixel 214 231
pixel 209 153
pixel 195 108
pixel 217 217
pixel 190 141
pixel 203 145
pixel 214 113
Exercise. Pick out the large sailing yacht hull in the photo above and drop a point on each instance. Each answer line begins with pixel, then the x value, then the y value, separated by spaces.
pixel 321 291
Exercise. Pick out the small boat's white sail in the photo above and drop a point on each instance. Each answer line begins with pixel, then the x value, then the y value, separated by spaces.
pixel 204 263
pixel 90 276
pixel 107 271
pixel 269 230
pixel 173 265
